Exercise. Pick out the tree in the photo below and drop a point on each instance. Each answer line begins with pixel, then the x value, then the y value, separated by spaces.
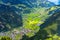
pixel 5 38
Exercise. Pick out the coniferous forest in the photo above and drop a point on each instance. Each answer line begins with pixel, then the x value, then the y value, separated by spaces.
pixel 29 20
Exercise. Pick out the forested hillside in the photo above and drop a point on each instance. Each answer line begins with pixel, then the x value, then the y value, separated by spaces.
pixel 29 20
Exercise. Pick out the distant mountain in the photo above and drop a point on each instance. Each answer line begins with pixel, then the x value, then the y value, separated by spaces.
pixel 30 3
pixel 59 2
pixel 46 3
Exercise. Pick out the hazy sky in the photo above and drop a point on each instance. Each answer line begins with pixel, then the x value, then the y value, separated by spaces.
pixel 54 1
